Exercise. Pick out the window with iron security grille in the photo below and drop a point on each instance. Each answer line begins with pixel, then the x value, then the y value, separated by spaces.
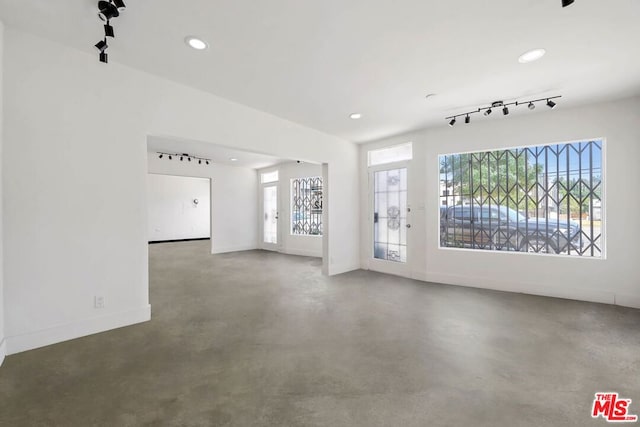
pixel 543 199
pixel 306 206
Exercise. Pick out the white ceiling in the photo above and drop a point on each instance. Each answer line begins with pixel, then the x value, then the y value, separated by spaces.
pixel 217 153
pixel 315 62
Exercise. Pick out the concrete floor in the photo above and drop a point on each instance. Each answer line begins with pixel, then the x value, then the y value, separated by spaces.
pixel 263 339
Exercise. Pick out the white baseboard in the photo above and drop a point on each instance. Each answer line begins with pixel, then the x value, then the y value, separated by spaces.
pixel 80 328
pixel 336 269
pixel 588 295
pixel 419 275
pixel 228 249
pixel 303 252
pixel 3 350
pixel 624 300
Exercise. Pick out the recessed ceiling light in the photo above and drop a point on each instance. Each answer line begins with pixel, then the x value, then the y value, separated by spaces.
pixel 532 55
pixel 233 159
pixel 355 116
pixel 196 43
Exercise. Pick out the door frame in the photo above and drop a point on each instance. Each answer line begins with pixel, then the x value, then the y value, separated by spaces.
pixel 270 246
pixel 379 265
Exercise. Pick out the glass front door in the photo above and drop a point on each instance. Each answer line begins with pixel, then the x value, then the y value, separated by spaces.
pixel 390 218
pixel 390 215
pixel 270 210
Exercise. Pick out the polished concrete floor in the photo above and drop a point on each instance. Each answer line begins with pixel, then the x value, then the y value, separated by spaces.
pixel 262 339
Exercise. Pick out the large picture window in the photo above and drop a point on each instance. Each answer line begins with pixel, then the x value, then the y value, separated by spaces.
pixel 543 199
pixel 306 206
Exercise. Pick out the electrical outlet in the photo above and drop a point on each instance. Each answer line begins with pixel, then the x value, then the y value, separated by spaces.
pixel 99 302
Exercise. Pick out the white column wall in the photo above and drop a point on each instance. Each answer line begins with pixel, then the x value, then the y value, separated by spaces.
pixel 75 186
pixel 615 280
pixel 2 311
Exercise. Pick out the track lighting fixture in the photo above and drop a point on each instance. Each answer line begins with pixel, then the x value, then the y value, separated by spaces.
pixel 107 10
pixel 531 105
pixel 102 46
pixel 566 3
pixel 104 58
pixel 182 156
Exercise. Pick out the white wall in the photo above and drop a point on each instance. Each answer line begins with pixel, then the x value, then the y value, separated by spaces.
pixel 2 341
pixel 614 280
pixel 289 243
pixel 234 195
pixel 75 215
pixel 173 211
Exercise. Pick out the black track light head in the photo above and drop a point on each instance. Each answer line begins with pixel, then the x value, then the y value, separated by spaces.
pixel 467 119
pixel 107 10
pixel 170 157
pixel 161 156
pixel 181 158
pixel 108 31
pixel 505 110
pixel 207 161
pixel 120 5
pixel 488 112
pixel 102 46
pixel 104 58
pixel 566 3
pixel 199 162
pixel 551 104
pixel 531 106
pixel 189 158
pixel 452 122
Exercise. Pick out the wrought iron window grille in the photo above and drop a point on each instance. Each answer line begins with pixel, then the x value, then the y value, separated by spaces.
pixel 306 206
pixel 543 199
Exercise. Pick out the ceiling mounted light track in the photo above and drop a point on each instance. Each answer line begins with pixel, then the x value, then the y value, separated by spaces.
pixel 531 105
pixel 108 10
pixel 182 156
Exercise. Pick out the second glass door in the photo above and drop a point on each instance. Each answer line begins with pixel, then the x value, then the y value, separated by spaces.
pixel 270 211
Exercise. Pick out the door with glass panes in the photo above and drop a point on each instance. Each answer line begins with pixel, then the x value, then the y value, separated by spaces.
pixel 390 215
pixel 270 229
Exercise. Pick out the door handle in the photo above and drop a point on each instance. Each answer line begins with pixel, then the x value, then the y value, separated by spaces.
pixel 408 225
